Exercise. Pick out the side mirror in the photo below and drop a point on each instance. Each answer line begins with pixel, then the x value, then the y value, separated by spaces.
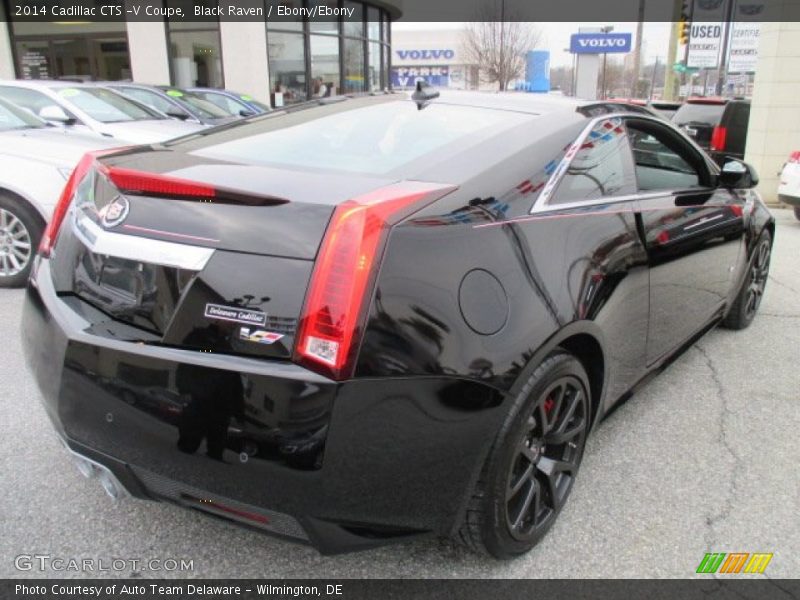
pixel 176 113
pixel 56 114
pixel 737 174
pixel 246 113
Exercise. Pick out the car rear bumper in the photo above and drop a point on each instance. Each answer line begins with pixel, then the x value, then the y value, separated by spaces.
pixel 341 466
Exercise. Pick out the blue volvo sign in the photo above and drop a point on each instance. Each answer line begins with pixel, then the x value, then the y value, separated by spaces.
pixel 600 43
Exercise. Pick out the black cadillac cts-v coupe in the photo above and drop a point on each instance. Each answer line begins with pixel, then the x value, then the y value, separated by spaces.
pixel 373 318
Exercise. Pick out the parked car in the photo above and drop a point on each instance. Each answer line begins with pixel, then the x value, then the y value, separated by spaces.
pixel 176 103
pixel 789 187
pixel 91 109
pixel 419 307
pixel 729 136
pixel 37 159
pixel 234 103
pixel 697 117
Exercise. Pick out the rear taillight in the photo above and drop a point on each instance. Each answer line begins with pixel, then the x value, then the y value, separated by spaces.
pixel 794 157
pixel 718 138
pixel 51 232
pixel 345 272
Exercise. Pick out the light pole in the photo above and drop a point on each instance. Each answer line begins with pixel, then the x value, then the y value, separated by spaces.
pixel 606 29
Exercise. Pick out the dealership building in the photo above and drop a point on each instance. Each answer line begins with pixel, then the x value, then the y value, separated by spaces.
pixel 278 61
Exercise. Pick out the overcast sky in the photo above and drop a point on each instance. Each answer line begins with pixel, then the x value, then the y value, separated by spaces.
pixel 555 37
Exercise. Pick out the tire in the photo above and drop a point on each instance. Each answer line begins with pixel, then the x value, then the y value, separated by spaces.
pixel 533 463
pixel 21 229
pixel 745 305
pixel 797 212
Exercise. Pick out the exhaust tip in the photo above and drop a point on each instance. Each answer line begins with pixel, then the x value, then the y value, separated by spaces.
pixel 109 484
pixel 85 468
pixel 91 469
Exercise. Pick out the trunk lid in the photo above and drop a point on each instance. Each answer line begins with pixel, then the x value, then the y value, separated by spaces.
pixel 196 253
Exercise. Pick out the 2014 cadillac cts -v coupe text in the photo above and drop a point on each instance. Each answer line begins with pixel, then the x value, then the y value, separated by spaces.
pixel 367 319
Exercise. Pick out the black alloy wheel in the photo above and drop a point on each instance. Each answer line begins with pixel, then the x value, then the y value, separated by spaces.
pixel 532 466
pixel 748 300
pixel 759 271
pixel 548 456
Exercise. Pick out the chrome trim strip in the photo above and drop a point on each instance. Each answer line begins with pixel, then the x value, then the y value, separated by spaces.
pixel 562 167
pixel 703 222
pixel 598 202
pixel 542 204
pixel 140 249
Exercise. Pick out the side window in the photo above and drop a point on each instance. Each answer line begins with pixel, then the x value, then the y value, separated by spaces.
pixel 663 161
pixel 602 167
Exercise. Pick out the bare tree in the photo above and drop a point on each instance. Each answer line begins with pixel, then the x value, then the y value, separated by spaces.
pixel 498 46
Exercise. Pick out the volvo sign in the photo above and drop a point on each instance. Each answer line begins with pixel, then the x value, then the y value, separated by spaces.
pixel 600 43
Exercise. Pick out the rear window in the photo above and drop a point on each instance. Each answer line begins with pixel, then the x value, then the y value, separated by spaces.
pixel 374 139
pixel 708 114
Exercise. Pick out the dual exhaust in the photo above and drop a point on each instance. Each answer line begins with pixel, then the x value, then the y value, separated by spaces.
pixel 94 470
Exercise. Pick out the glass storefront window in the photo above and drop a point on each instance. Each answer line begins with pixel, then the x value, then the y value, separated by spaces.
pixel 353 66
pixel 196 58
pixel 374 67
pixel 287 23
pixel 287 67
pixel 323 58
pixel 373 24
pixel 70 49
pixel 324 65
pixel 317 25
pixel 354 25
pixel 194 48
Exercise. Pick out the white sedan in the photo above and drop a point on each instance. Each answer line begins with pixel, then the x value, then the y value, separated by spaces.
pixel 789 187
pixel 36 160
pixel 94 110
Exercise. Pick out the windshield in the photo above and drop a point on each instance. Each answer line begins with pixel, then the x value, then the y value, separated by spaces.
pixel 12 117
pixel 106 106
pixel 709 114
pixel 150 98
pixel 373 139
pixel 231 106
pixel 200 106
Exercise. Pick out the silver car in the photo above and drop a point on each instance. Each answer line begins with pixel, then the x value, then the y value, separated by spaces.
pixel 94 110
pixel 36 160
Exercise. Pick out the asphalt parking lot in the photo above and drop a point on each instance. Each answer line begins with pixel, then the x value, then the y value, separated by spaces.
pixel 704 458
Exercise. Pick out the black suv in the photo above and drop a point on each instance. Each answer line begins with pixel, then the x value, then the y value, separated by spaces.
pixel 718 125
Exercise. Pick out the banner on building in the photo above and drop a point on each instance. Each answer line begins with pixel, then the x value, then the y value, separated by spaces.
pixel 406 77
pixel 705 38
pixel 745 35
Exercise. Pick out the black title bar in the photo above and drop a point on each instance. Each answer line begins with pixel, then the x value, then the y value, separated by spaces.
pixel 584 11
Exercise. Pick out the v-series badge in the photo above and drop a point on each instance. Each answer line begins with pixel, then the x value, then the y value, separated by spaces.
pixel 237 315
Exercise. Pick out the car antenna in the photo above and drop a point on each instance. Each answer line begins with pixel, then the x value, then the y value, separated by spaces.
pixel 424 94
